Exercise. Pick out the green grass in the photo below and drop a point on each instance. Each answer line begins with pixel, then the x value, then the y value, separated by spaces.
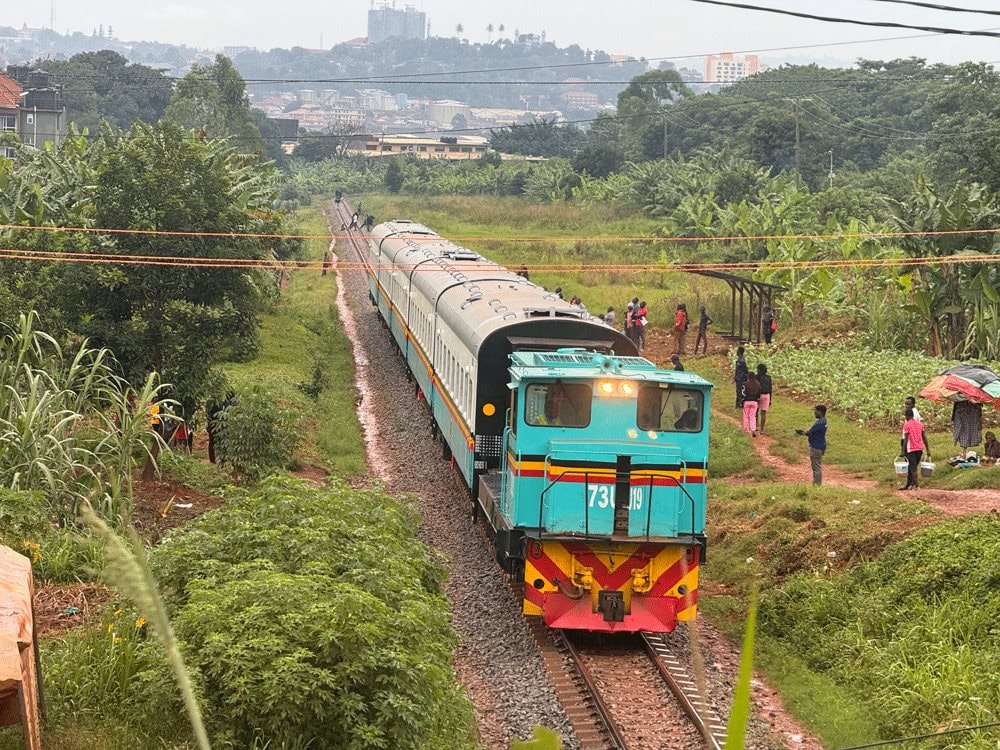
pixel 729 450
pixel 813 698
pixel 783 529
pixel 302 334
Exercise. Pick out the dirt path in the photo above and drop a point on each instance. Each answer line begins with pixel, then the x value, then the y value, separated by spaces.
pixel 949 502
pixel 797 473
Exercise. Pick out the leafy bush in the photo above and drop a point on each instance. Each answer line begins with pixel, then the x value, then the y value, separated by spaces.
pixel 914 632
pixel 256 434
pixel 314 615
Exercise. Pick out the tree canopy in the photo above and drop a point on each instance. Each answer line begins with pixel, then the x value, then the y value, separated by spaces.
pixel 104 86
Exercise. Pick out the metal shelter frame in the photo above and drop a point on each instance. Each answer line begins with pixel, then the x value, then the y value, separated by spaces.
pixel 749 298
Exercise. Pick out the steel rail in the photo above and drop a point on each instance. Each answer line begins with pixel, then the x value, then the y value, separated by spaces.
pixel 686 690
pixel 593 725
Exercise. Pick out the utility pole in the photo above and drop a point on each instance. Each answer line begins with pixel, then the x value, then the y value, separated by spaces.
pixel 796 107
pixel 664 136
pixel 831 169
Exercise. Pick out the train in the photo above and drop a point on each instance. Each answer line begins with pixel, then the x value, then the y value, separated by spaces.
pixel 585 463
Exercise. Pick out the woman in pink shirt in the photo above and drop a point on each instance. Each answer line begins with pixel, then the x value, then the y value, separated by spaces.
pixel 915 442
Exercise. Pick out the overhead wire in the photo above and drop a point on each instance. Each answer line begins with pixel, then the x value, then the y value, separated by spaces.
pixel 855 21
pixel 946 8
pixel 469 266
pixel 504 238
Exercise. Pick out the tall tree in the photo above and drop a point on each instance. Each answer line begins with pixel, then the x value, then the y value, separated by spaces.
pixel 104 86
pixel 212 100
pixel 643 106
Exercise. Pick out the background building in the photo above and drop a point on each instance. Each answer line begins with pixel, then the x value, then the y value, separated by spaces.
pixel 725 68
pixel 31 107
pixel 387 23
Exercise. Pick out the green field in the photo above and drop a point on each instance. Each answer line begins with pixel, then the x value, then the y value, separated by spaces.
pixel 303 340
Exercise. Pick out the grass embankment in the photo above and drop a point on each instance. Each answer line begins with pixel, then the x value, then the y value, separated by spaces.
pixel 305 345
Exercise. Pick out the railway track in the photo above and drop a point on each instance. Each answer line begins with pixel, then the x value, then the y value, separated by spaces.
pixel 681 683
pixel 594 726
pixel 593 720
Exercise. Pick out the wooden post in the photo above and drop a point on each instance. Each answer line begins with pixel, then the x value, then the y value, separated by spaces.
pixel 742 295
pixel 732 314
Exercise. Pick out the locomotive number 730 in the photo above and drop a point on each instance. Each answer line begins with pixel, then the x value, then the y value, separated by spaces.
pixel 603 496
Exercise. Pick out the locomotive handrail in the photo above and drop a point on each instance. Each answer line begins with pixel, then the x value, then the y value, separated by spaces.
pixel 586 507
pixel 649 507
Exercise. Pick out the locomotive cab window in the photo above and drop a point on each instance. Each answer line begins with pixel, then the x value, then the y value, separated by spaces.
pixel 664 408
pixel 557 404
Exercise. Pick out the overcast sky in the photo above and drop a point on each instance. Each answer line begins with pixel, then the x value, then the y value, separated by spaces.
pixel 652 28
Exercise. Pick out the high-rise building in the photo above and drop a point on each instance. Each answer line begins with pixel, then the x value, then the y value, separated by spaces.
pixel 725 68
pixel 387 22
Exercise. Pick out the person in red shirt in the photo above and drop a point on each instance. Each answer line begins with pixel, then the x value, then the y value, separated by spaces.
pixel 680 329
pixel 641 322
pixel 915 440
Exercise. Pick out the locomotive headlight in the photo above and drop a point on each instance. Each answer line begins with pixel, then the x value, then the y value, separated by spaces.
pixel 607 388
pixel 627 388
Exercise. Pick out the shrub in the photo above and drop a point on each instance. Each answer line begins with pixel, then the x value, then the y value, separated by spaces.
pixel 256 434
pixel 314 615
pixel 914 631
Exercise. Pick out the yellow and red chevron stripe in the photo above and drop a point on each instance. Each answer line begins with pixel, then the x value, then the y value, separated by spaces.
pixel 659 583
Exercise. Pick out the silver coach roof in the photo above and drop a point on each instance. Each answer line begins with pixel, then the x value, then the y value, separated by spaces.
pixel 476 297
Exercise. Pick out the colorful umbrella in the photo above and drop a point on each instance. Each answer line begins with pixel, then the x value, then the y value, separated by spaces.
pixel 974 383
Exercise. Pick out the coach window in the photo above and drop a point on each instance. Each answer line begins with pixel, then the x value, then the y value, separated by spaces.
pixel 557 404
pixel 663 408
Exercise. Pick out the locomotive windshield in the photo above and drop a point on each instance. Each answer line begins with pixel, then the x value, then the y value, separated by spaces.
pixel 557 404
pixel 664 408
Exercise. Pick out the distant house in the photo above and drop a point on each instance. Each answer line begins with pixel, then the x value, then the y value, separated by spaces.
pixel 449 148
pixel 10 100
pixel 39 113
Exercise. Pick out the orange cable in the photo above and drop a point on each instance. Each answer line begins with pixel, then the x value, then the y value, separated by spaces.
pixel 728 238
pixel 184 262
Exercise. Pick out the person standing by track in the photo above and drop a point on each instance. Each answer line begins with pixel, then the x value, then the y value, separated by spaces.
pixel 751 402
pixel 740 372
pixel 817 443
pixel 704 321
pixel 915 441
pixel 680 329
pixel 766 388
